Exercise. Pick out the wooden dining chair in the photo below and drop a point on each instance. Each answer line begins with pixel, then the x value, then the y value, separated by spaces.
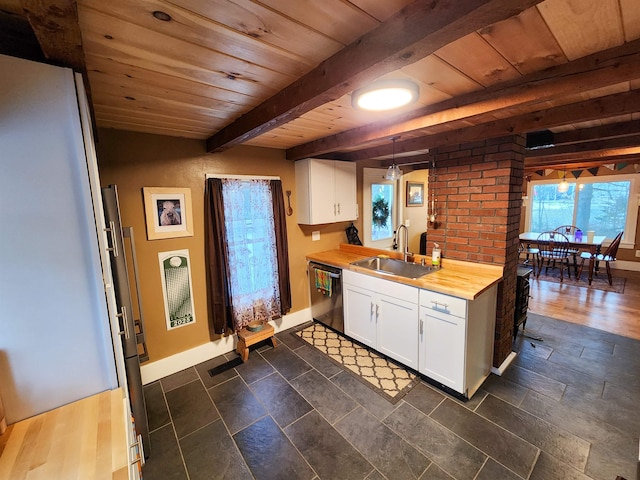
pixel 608 256
pixel 554 248
pixel 569 230
pixel 532 255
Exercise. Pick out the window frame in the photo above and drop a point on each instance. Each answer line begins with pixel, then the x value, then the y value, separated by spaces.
pixel 632 204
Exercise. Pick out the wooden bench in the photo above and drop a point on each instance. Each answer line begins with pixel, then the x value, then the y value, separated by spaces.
pixel 246 338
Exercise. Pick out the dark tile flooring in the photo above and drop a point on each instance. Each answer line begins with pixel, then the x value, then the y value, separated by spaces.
pixel 567 408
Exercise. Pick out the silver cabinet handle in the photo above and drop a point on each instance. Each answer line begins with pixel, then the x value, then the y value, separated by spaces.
pixel 338 209
pixel 377 312
pixel 440 305
pixel 372 309
pixel 112 234
pixel 421 327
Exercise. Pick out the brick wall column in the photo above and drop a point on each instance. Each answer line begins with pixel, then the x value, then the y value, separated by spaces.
pixel 478 187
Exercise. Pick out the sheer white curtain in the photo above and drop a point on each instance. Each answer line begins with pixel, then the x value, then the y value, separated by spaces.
pixel 251 249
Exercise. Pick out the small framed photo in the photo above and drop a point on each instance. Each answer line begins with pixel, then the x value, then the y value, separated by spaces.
pixel 168 212
pixel 415 194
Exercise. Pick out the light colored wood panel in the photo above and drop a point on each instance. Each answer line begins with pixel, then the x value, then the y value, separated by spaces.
pixel 147 128
pixel 115 113
pixel 336 19
pixel 102 118
pixel 102 66
pixel 257 21
pixel 127 87
pixel 478 60
pixel 381 10
pixel 147 49
pixel 160 105
pixel 582 27
pixel 525 41
pixel 199 30
pixel 438 74
pixel 84 439
pixel 630 19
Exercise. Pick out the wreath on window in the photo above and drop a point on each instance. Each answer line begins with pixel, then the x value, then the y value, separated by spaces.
pixel 380 212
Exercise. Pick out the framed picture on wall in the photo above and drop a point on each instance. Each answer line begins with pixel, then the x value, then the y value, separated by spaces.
pixel 415 194
pixel 168 212
pixel 177 292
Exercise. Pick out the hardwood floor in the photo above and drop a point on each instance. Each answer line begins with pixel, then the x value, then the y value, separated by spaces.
pixel 611 312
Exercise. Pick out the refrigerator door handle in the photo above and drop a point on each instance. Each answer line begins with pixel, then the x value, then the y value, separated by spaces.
pixel 112 232
pixel 125 322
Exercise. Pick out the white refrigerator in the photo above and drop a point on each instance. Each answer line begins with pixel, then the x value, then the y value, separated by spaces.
pixel 59 334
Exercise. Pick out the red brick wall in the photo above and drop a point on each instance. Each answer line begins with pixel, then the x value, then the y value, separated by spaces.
pixel 478 187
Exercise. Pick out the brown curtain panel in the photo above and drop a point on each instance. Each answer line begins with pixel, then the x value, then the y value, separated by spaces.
pixel 282 245
pixel 216 258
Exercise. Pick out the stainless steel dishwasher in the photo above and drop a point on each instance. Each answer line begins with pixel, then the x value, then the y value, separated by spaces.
pixel 327 308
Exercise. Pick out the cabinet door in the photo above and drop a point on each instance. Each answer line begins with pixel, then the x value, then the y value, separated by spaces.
pixel 345 191
pixel 398 329
pixel 359 314
pixel 442 349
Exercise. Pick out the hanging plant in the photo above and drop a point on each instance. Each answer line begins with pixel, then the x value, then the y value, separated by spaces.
pixel 380 212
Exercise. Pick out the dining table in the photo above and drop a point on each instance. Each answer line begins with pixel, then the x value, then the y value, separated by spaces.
pixel 581 243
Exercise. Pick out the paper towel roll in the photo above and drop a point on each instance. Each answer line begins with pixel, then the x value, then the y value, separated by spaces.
pixel 590 235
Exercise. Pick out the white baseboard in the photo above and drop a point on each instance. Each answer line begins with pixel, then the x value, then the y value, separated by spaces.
pixel 166 366
pixel 626 265
pixel 507 361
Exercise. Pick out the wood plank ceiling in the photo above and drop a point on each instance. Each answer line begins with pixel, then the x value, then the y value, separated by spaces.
pixel 279 73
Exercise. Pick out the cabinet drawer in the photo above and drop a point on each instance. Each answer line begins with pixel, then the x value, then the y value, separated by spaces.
pixel 388 287
pixel 446 304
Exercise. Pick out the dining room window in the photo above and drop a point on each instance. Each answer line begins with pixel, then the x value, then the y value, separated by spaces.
pixel 604 205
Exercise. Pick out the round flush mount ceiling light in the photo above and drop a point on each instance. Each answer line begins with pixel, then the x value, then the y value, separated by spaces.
pixel 385 95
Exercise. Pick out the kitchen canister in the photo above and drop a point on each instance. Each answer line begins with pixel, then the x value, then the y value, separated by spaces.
pixel 590 235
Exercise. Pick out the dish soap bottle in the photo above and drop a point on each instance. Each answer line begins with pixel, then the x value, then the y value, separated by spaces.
pixel 435 255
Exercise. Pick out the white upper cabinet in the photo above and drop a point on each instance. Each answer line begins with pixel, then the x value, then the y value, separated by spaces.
pixel 326 191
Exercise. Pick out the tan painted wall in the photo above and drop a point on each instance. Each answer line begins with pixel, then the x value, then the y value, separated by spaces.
pixel 133 161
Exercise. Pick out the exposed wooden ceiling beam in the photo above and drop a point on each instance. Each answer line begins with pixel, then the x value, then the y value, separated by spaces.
pixel 614 130
pixel 602 107
pixel 55 24
pixel 413 33
pixel 533 165
pixel 598 70
pixel 623 145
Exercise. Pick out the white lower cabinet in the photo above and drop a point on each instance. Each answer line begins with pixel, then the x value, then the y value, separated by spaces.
pixel 382 315
pixel 446 338
pixel 456 339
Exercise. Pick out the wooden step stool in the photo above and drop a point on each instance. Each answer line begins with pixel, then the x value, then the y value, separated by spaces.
pixel 246 338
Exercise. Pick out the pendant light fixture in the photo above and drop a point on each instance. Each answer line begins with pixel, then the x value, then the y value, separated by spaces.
pixel 393 172
pixel 563 186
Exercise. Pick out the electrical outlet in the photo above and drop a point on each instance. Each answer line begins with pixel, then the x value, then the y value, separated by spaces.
pixel 315 236
pixel 637 253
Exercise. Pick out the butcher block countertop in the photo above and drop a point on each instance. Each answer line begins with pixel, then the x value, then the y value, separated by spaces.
pixel 82 440
pixel 461 279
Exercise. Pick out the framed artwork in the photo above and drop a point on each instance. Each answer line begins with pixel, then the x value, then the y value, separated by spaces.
pixel 168 212
pixel 415 194
pixel 175 270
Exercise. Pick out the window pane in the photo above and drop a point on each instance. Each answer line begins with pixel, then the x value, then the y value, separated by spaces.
pixel 551 208
pixel 381 208
pixel 602 207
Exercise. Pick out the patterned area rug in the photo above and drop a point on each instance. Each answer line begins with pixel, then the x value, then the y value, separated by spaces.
pixel 600 282
pixel 385 377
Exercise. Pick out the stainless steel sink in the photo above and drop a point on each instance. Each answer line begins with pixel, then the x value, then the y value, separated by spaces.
pixel 392 266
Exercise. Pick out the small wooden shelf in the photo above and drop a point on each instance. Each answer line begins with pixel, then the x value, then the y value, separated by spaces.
pixel 246 338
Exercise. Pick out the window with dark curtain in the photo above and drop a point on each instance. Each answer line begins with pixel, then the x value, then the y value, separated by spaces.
pixel 247 252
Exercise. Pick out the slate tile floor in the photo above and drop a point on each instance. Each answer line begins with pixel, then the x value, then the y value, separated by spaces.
pixel 567 408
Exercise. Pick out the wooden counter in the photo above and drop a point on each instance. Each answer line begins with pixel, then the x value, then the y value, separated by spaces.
pixel 82 440
pixel 460 279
